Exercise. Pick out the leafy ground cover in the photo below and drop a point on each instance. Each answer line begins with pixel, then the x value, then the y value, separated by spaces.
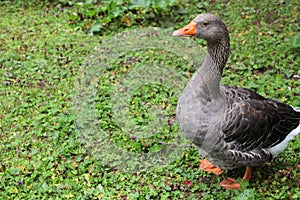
pixel 44 50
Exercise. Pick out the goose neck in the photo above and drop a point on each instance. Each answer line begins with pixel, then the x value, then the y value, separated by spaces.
pixel 212 67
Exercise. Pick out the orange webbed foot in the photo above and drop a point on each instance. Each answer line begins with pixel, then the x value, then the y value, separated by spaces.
pixel 208 167
pixel 232 184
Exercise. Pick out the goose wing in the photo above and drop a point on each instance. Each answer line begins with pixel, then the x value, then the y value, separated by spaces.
pixel 252 121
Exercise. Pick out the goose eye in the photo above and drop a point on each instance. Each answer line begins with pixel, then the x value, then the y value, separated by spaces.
pixel 204 23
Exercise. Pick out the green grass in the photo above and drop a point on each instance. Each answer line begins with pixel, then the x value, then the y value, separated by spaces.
pixel 44 51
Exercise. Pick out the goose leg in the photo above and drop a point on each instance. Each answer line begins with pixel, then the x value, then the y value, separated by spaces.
pixel 208 167
pixel 232 184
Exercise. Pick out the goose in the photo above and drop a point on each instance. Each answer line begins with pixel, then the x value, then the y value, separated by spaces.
pixel 231 127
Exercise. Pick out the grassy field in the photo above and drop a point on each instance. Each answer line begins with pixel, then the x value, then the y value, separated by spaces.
pixel 88 111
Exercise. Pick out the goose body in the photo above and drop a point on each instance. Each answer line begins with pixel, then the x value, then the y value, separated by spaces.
pixel 230 126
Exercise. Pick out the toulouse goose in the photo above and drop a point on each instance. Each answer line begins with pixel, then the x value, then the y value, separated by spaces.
pixel 230 126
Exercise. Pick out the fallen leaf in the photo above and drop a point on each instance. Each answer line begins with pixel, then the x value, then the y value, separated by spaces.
pixel 187 183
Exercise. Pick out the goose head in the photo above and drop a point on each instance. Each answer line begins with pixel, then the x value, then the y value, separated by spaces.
pixel 205 26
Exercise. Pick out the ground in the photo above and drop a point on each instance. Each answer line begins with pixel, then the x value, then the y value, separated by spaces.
pixel 45 84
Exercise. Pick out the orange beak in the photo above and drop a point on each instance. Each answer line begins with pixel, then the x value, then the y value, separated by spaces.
pixel 188 30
